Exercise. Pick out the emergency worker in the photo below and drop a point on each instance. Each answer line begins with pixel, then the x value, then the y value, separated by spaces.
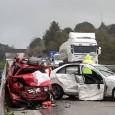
pixel 88 60
pixel 87 75
pixel 86 70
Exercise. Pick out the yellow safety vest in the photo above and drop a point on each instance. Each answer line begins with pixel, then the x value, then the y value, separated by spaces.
pixel 86 70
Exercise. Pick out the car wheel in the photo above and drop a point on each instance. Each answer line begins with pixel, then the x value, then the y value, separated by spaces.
pixel 113 94
pixel 72 96
pixel 58 91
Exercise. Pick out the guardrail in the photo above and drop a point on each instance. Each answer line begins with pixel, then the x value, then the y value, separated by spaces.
pixel 2 91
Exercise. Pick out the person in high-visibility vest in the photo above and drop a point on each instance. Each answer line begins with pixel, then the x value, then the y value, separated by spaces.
pixel 88 60
pixel 86 70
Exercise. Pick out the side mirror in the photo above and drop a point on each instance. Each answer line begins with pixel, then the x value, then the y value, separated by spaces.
pixel 99 51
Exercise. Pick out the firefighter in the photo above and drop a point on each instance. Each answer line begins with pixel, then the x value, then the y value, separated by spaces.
pixel 88 60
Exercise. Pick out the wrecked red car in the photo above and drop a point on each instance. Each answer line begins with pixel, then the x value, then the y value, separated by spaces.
pixel 28 83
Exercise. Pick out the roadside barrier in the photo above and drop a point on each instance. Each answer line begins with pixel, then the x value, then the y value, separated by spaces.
pixel 2 91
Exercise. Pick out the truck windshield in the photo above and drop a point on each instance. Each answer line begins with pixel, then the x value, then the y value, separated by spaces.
pixel 84 49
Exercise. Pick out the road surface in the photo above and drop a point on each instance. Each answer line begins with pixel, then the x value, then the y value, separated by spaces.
pixel 67 106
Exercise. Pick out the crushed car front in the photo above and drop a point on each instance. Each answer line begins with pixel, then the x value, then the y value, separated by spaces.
pixel 30 83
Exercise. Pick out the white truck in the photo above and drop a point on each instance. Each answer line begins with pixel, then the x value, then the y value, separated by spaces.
pixel 78 45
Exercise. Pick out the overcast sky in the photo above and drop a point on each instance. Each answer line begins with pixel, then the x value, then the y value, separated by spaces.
pixel 23 20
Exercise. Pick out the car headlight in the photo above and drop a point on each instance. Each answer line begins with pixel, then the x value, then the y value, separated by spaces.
pixel 46 88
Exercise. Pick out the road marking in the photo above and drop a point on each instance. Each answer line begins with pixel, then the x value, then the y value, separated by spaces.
pixel 37 113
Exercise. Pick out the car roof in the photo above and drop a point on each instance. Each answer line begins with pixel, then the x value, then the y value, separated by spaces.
pixel 80 64
pixel 25 64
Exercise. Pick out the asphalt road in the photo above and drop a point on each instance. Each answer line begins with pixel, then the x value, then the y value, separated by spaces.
pixel 67 106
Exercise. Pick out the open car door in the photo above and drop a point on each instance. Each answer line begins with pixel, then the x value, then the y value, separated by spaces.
pixel 93 86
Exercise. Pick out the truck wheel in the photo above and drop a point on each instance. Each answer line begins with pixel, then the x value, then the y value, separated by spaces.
pixel 58 91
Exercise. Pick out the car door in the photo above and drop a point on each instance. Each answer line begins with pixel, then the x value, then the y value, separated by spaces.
pixel 67 79
pixel 93 87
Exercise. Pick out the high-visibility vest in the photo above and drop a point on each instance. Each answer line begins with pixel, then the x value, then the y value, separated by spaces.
pixel 88 60
pixel 86 70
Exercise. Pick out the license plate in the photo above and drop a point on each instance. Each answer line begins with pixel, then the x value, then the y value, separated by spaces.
pixel 34 91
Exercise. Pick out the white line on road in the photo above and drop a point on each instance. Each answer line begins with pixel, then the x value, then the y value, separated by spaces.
pixel 37 113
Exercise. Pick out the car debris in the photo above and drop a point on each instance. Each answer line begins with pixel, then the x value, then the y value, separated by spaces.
pixel 28 83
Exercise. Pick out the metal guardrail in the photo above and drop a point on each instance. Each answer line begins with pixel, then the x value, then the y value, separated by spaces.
pixel 2 91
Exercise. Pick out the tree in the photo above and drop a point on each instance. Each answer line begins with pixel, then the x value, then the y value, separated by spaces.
pixel 67 30
pixel 84 27
pixel 36 47
pixel 106 41
pixel 50 36
pixel 103 27
pixel 60 37
pixel 111 29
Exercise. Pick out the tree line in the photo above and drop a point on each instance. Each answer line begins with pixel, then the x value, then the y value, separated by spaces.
pixel 55 36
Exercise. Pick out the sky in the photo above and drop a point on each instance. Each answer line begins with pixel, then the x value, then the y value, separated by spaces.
pixel 21 21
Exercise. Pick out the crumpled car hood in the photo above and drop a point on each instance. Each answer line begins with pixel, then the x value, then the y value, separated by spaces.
pixel 36 79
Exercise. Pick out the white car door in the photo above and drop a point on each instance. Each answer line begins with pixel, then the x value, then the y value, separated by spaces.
pixel 93 87
pixel 67 78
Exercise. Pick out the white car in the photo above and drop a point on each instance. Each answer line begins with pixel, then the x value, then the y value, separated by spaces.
pixel 69 80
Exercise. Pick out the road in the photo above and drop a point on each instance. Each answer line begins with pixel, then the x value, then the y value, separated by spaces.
pixel 67 106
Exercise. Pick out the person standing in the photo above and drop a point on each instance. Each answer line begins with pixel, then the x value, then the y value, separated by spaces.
pixel 88 60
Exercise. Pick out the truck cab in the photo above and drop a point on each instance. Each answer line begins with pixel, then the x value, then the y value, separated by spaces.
pixel 78 45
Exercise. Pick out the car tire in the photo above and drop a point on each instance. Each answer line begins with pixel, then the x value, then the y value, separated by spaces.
pixel 113 94
pixel 57 91
pixel 72 96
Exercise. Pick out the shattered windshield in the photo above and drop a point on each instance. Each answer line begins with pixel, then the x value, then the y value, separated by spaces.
pixel 104 70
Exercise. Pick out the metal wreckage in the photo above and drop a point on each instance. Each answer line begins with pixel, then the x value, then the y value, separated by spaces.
pixel 28 83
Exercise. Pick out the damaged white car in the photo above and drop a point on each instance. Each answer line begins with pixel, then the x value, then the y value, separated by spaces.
pixel 70 80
